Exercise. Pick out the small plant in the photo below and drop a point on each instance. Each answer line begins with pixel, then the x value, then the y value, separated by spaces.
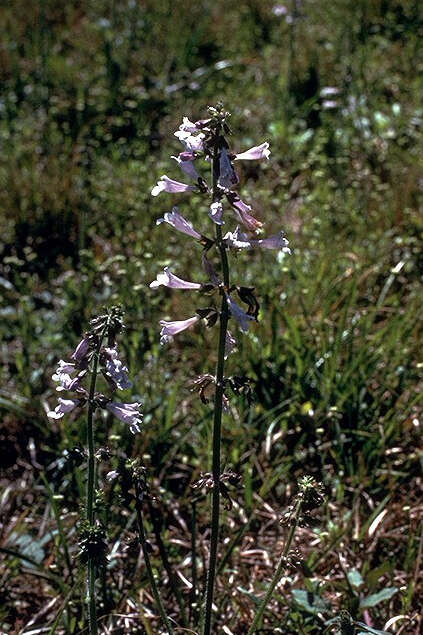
pixel 96 353
pixel 207 139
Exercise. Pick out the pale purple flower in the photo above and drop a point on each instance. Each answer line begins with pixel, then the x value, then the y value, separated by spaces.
pixel 227 174
pixel 215 213
pixel 230 343
pixel 176 220
pixel 253 154
pixel 187 165
pixel 128 413
pixel 115 370
pixel 63 376
pixel 239 240
pixel 165 184
pixel 279 9
pixel 112 475
pixel 81 350
pixel 329 91
pixel 242 213
pixel 187 125
pixel 239 314
pixel 329 104
pixel 191 143
pixel 65 405
pixel 168 279
pixel 169 329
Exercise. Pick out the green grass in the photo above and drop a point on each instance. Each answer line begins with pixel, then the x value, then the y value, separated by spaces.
pixel 89 99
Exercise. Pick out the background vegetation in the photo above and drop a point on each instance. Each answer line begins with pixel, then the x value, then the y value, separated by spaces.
pixel 90 96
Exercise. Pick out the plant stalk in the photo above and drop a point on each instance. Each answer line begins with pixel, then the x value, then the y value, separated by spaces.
pixel 217 421
pixel 91 573
pixel 281 564
pixel 143 541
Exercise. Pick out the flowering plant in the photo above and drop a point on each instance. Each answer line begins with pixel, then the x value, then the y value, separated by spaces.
pixel 207 140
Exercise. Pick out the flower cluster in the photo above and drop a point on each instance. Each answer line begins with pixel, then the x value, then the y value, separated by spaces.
pixel 206 139
pixel 98 342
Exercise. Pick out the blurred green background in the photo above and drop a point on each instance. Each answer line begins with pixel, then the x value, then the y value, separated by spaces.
pixel 90 96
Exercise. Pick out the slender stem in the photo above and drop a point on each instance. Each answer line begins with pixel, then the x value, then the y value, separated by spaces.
pixel 92 612
pixel 173 581
pixel 217 422
pixel 281 564
pixel 144 546
pixel 194 590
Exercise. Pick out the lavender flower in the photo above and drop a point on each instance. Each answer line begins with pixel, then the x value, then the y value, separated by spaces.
pixel 168 279
pixel 258 152
pixel 128 413
pixel 65 405
pixel 191 143
pixel 81 350
pixel 187 164
pixel 176 220
pixel 115 371
pixel 188 126
pixel 216 212
pixel 239 240
pixel 169 329
pixel 239 314
pixel 165 184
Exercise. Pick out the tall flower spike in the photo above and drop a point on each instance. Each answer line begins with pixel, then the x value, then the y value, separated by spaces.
pixel 165 184
pixel 177 221
pixel 168 279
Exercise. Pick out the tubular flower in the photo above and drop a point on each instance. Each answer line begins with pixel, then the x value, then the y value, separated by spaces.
pixel 65 405
pixel 165 184
pixel 191 143
pixel 239 240
pixel 187 165
pixel 168 279
pixel 258 152
pixel 227 177
pixel 169 329
pixel 128 413
pixel 242 213
pixel 177 221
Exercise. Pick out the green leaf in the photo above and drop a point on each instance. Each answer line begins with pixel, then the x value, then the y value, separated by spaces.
pixel 375 598
pixel 355 579
pixel 309 602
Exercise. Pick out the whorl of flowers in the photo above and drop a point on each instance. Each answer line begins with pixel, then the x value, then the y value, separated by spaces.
pixel 69 376
pixel 206 140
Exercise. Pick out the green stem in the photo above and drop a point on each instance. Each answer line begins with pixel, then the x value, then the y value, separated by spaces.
pixel 277 576
pixel 217 422
pixel 92 612
pixel 143 541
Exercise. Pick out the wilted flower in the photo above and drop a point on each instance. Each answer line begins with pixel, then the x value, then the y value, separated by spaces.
pixel 115 370
pixel 128 413
pixel 65 405
pixel 239 314
pixel 168 279
pixel 171 328
pixel 242 212
pixel 165 184
pixel 258 152
pixel 216 212
pixel 176 220
pixel 81 350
